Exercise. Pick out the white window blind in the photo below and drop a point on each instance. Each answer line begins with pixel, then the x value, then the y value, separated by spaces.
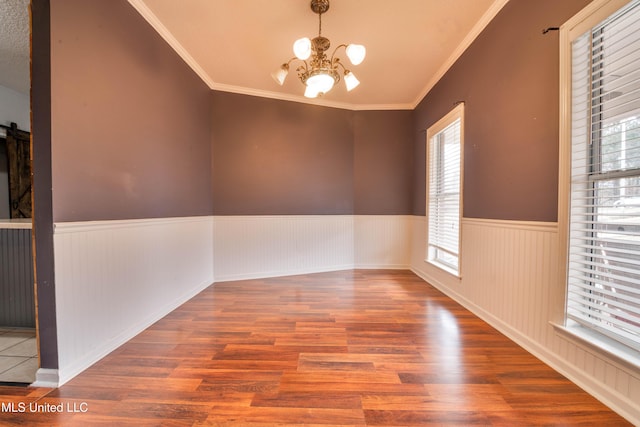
pixel 604 234
pixel 444 195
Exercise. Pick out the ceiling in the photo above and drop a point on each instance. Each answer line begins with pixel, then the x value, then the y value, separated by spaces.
pixel 234 45
pixel 14 45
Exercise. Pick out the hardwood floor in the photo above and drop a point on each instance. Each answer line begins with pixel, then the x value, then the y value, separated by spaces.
pixel 359 347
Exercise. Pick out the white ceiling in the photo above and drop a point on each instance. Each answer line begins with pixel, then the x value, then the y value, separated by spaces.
pixel 14 45
pixel 234 45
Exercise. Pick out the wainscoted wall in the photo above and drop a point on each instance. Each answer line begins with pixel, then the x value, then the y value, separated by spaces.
pixel 115 278
pixel 382 241
pixel 509 278
pixel 17 304
pixel 267 246
pixel 248 247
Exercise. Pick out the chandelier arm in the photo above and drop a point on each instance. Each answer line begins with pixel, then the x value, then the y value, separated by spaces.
pixel 338 62
pixel 289 61
pixel 306 66
pixel 336 49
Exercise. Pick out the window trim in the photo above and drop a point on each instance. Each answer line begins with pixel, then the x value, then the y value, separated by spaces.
pixel 456 113
pixel 576 26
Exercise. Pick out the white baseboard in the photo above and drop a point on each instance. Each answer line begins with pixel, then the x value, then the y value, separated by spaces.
pixel 46 378
pixel 275 273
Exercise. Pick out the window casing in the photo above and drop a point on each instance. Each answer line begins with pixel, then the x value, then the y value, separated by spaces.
pixel 603 272
pixel 444 190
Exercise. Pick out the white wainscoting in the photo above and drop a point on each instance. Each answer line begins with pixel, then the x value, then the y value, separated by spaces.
pixel 248 247
pixel 382 241
pixel 509 277
pixel 115 278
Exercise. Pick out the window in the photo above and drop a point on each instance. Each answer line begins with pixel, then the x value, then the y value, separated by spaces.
pixel 444 174
pixel 603 275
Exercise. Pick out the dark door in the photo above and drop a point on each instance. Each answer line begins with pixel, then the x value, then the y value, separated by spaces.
pixel 19 156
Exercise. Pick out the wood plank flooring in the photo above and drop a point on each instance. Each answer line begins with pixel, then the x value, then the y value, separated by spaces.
pixel 348 348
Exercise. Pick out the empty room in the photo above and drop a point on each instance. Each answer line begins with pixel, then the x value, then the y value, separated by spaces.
pixel 314 212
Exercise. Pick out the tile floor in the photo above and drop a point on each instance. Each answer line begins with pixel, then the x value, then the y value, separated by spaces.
pixel 18 355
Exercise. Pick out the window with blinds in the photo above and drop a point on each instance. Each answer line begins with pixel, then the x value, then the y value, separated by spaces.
pixel 603 290
pixel 444 183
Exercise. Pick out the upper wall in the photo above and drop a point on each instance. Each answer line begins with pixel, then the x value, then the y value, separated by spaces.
pixel 273 157
pixel 14 107
pixel 130 120
pixel 509 81
pixel 382 162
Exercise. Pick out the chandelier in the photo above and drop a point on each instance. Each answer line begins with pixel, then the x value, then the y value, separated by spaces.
pixel 318 71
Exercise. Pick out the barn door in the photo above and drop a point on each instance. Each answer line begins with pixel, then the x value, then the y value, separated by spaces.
pixel 19 154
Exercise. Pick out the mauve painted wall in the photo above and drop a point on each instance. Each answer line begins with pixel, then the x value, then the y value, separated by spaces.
pixel 130 120
pixel 509 81
pixel 134 134
pixel 274 157
pixel 383 159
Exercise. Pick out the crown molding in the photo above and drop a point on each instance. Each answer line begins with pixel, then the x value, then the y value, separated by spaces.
pixel 312 101
pixel 488 16
pixel 153 20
